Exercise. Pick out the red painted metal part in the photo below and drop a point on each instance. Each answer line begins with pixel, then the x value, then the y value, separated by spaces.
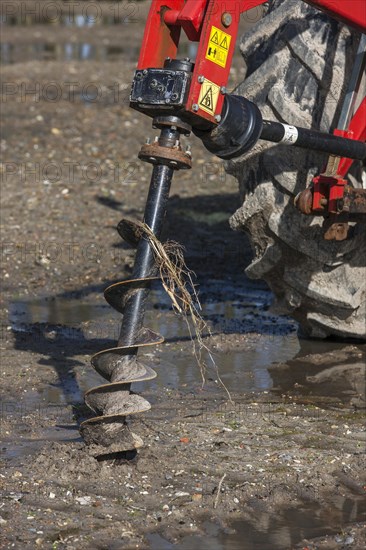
pixel 350 12
pixel 160 41
pixel 329 189
pixel 216 73
pixel 357 130
pixel 189 18
pixel 197 18
pixel 210 22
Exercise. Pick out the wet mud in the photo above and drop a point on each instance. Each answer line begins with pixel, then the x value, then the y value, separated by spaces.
pixel 278 463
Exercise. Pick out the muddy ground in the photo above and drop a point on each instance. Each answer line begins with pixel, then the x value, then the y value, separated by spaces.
pixel 280 465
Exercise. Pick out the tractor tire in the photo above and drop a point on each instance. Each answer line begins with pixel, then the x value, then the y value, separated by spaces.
pixel 298 62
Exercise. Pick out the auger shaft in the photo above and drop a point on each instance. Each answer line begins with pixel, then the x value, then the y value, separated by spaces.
pixel 144 267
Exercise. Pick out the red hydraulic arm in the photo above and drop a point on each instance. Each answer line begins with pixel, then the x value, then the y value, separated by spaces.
pixel 350 12
pixel 357 130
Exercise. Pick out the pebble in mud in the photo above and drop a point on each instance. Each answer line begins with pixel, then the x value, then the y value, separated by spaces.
pixel 348 540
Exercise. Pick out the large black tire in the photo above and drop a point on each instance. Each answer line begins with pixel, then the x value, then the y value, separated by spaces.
pixel 298 66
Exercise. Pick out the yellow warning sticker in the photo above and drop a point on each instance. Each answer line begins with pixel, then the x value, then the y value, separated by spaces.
pixel 218 47
pixel 209 96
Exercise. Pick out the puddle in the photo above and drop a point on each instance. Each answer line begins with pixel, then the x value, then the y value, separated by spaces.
pixel 228 308
pixel 52 311
pixel 248 338
pixel 11 449
pixel 50 51
pixel 22 52
pixel 55 18
pixel 274 532
pixel 59 49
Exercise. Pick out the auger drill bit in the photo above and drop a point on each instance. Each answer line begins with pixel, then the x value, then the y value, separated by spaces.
pixel 108 432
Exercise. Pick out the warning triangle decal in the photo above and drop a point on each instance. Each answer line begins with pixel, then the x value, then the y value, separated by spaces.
pixel 224 44
pixel 215 38
pixel 207 100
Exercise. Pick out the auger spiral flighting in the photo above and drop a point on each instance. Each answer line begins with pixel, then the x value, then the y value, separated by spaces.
pixel 108 433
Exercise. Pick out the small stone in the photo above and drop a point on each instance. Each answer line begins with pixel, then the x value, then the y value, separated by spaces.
pixel 16 496
pixel 52 495
pixel 197 497
pixel 286 457
pixel 84 501
pixel 43 260
pixel 349 540
pixel 56 131
pixel 165 508
pixel 2 521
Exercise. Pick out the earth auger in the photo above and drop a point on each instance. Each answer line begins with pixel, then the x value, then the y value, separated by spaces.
pixel 181 96
pixel 108 432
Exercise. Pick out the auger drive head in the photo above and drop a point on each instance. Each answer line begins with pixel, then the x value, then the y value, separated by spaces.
pixel 180 96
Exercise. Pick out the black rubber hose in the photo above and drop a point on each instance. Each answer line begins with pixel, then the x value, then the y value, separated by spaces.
pixel 311 139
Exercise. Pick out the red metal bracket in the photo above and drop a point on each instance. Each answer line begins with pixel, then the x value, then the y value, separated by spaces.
pixel 350 12
pixel 189 18
pixel 357 130
pixel 327 191
pixel 212 23
pixel 160 41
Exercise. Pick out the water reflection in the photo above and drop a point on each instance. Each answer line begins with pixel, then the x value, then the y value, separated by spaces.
pixel 244 368
pixel 11 53
pixel 278 531
pixel 60 50
pixel 24 18
pixel 253 350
